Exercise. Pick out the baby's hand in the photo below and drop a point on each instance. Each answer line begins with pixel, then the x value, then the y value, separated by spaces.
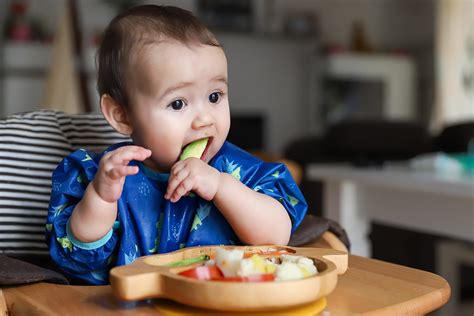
pixel 113 168
pixel 195 175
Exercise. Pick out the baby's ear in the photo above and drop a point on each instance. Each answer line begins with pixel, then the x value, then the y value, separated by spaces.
pixel 115 114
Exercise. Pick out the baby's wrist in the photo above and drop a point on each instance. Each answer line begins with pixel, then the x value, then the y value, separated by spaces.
pixel 93 216
pixel 95 192
pixel 221 184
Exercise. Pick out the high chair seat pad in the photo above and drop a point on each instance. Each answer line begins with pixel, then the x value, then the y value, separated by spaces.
pixel 313 227
pixel 17 272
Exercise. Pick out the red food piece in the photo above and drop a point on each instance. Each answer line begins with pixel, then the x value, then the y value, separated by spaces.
pixel 204 273
pixel 213 273
pixel 251 278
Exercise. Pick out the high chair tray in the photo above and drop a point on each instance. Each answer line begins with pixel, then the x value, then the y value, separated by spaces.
pixel 153 277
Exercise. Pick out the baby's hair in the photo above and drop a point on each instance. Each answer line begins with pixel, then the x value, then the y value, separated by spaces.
pixel 136 28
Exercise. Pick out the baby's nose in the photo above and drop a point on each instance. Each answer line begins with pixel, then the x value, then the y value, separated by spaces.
pixel 202 119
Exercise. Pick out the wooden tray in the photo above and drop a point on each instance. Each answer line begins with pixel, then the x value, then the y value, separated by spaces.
pixel 149 277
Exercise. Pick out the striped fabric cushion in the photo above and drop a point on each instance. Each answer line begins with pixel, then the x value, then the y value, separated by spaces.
pixel 31 146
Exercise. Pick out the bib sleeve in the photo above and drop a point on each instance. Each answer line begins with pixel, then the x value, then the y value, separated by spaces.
pixel 86 261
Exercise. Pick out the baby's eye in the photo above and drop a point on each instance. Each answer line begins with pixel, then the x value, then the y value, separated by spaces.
pixel 214 97
pixel 177 105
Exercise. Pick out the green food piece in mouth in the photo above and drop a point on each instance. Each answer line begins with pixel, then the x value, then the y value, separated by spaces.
pixel 195 149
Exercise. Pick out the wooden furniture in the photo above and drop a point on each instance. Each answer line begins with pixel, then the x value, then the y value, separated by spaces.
pixel 368 287
pixel 3 304
pixel 434 203
pixel 328 240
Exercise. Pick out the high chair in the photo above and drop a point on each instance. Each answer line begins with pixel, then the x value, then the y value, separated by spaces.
pixel 31 146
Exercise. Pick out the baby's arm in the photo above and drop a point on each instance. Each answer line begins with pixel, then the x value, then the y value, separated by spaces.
pixel 255 217
pixel 95 214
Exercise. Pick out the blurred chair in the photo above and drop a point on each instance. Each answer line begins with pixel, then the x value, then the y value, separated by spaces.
pixel 456 138
pixel 363 143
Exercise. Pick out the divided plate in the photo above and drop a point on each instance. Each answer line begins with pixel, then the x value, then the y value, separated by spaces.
pixel 150 277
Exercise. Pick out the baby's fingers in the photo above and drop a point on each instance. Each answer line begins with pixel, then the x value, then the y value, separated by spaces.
pixel 183 188
pixel 125 154
pixel 175 180
pixel 121 171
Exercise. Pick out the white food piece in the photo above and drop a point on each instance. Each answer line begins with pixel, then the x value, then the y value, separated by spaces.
pixel 255 265
pixel 232 263
pixel 229 261
pixel 295 267
pixel 288 271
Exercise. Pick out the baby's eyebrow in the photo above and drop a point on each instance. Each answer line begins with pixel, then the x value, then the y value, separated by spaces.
pixel 220 78
pixel 184 84
pixel 176 87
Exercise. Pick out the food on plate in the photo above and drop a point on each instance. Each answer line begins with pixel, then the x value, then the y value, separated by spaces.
pixel 229 261
pixel 188 261
pixel 203 273
pixel 235 265
pixel 295 267
pixel 194 149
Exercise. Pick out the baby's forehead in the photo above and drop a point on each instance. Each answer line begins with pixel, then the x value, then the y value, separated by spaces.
pixel 154 51
pixel 170 50
pixel 172 60
pixel 145 55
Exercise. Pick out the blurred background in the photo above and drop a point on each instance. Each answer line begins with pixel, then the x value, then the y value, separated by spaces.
pixel 364 83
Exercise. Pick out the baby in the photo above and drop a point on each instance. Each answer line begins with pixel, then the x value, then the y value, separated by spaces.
pixel 162 78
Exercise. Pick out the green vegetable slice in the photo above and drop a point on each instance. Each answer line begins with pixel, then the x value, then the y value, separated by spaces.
pixel 195 149
pixel 186 262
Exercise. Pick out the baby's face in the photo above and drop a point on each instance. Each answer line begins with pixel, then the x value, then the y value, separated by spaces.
pixel 179 95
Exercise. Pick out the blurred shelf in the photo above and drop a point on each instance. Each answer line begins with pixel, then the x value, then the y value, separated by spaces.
pixel 26 56
pixel 368 66
pixel 397 73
